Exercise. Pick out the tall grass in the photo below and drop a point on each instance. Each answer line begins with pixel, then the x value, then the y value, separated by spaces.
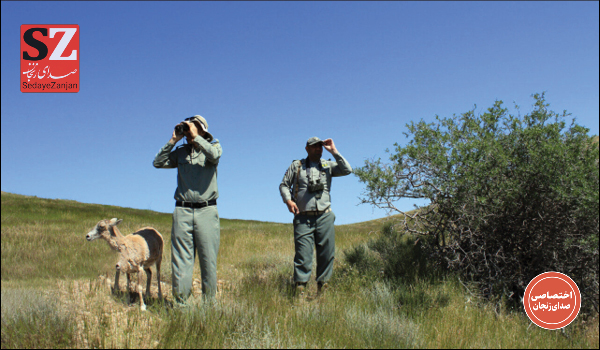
pixel 31 319
pixel 449 314
pixel 56 293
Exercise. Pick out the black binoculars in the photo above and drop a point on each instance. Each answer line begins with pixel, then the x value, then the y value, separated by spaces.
pixel 316 186
pixel 181 128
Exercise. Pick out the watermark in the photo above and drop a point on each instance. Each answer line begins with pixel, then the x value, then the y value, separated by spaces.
pixel 552 300
pixel 49 58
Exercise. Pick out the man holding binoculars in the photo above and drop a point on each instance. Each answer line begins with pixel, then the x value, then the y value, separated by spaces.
pixel 196 224
pixel 305 190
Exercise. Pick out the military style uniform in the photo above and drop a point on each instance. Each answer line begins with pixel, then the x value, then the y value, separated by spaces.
pixel 196 224
pixel 314 225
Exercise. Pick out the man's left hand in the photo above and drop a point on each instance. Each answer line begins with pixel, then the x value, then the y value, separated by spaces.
pixel 330 146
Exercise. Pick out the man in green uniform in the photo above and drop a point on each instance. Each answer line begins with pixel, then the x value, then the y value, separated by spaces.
pixel 305 190
pixel 196 225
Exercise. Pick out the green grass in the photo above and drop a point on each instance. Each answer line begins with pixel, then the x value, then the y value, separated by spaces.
pixel 32 319
pixel 55 293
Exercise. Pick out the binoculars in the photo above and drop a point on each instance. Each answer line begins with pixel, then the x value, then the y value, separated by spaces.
pixel 316 186
pixel 181 128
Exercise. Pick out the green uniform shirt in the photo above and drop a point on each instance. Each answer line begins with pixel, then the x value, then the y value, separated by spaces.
pixel 197 168
pixel 306 200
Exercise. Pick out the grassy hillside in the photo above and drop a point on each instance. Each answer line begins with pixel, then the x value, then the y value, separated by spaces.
pixel 55 293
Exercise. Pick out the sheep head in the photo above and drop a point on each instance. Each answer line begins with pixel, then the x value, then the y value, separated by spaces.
pixel 103 229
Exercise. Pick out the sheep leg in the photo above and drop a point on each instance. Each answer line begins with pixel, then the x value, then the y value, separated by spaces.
pixel 128 288
pixel 148 281
pixel 116 286
pixel 141 289
pixel 158 277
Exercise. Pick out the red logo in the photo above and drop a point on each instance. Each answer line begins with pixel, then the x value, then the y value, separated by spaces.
pixel 552 300
pixel 49 58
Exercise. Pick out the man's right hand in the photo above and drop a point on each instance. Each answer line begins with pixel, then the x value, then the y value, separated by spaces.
pixel 175 138
pixel 292 207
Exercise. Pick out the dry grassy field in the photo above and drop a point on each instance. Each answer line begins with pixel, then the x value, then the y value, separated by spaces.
pixel 56 293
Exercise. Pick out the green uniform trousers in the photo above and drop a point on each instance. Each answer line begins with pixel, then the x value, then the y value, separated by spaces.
pixel 314 231
pixel 194 231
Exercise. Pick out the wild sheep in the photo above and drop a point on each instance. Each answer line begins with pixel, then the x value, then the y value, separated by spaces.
pixel 101 231
pixel 138 250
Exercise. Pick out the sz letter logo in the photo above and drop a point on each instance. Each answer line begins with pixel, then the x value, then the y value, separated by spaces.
pixel 49 58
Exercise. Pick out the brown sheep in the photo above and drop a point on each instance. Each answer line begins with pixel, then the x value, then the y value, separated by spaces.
pixel 138 250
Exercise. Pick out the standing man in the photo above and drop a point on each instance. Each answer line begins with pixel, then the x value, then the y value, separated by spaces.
pixel 305 190
pixel 196 225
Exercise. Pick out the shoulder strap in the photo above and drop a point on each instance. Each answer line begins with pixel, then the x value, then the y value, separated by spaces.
pixel 297 184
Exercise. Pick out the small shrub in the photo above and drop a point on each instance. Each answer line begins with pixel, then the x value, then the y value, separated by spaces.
pixel 397 255
pixel 361 257
pixel 404 255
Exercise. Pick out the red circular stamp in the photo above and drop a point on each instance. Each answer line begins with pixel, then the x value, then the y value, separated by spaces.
pixel 552 300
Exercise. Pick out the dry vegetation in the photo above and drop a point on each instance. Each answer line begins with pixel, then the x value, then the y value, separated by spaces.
pixel 56 294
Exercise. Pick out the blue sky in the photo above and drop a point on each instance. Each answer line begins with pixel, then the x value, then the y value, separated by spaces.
pixel 269 75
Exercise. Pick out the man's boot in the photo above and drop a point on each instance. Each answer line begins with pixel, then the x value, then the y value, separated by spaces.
pixel 300 290
pixel 321 288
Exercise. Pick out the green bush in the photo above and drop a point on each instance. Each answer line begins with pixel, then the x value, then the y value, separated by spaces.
pixel 363 259
pixel 399 256
pixel 510 197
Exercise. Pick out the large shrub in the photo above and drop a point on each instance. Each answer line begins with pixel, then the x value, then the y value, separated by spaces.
pixel 510 197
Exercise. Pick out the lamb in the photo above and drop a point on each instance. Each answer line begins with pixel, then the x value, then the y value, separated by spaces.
pixel 138 250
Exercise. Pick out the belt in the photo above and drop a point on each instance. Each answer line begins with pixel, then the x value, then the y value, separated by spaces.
pixel 195 205
pixel 315 212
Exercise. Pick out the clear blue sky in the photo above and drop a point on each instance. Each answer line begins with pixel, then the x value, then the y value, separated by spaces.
pixel 267 76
